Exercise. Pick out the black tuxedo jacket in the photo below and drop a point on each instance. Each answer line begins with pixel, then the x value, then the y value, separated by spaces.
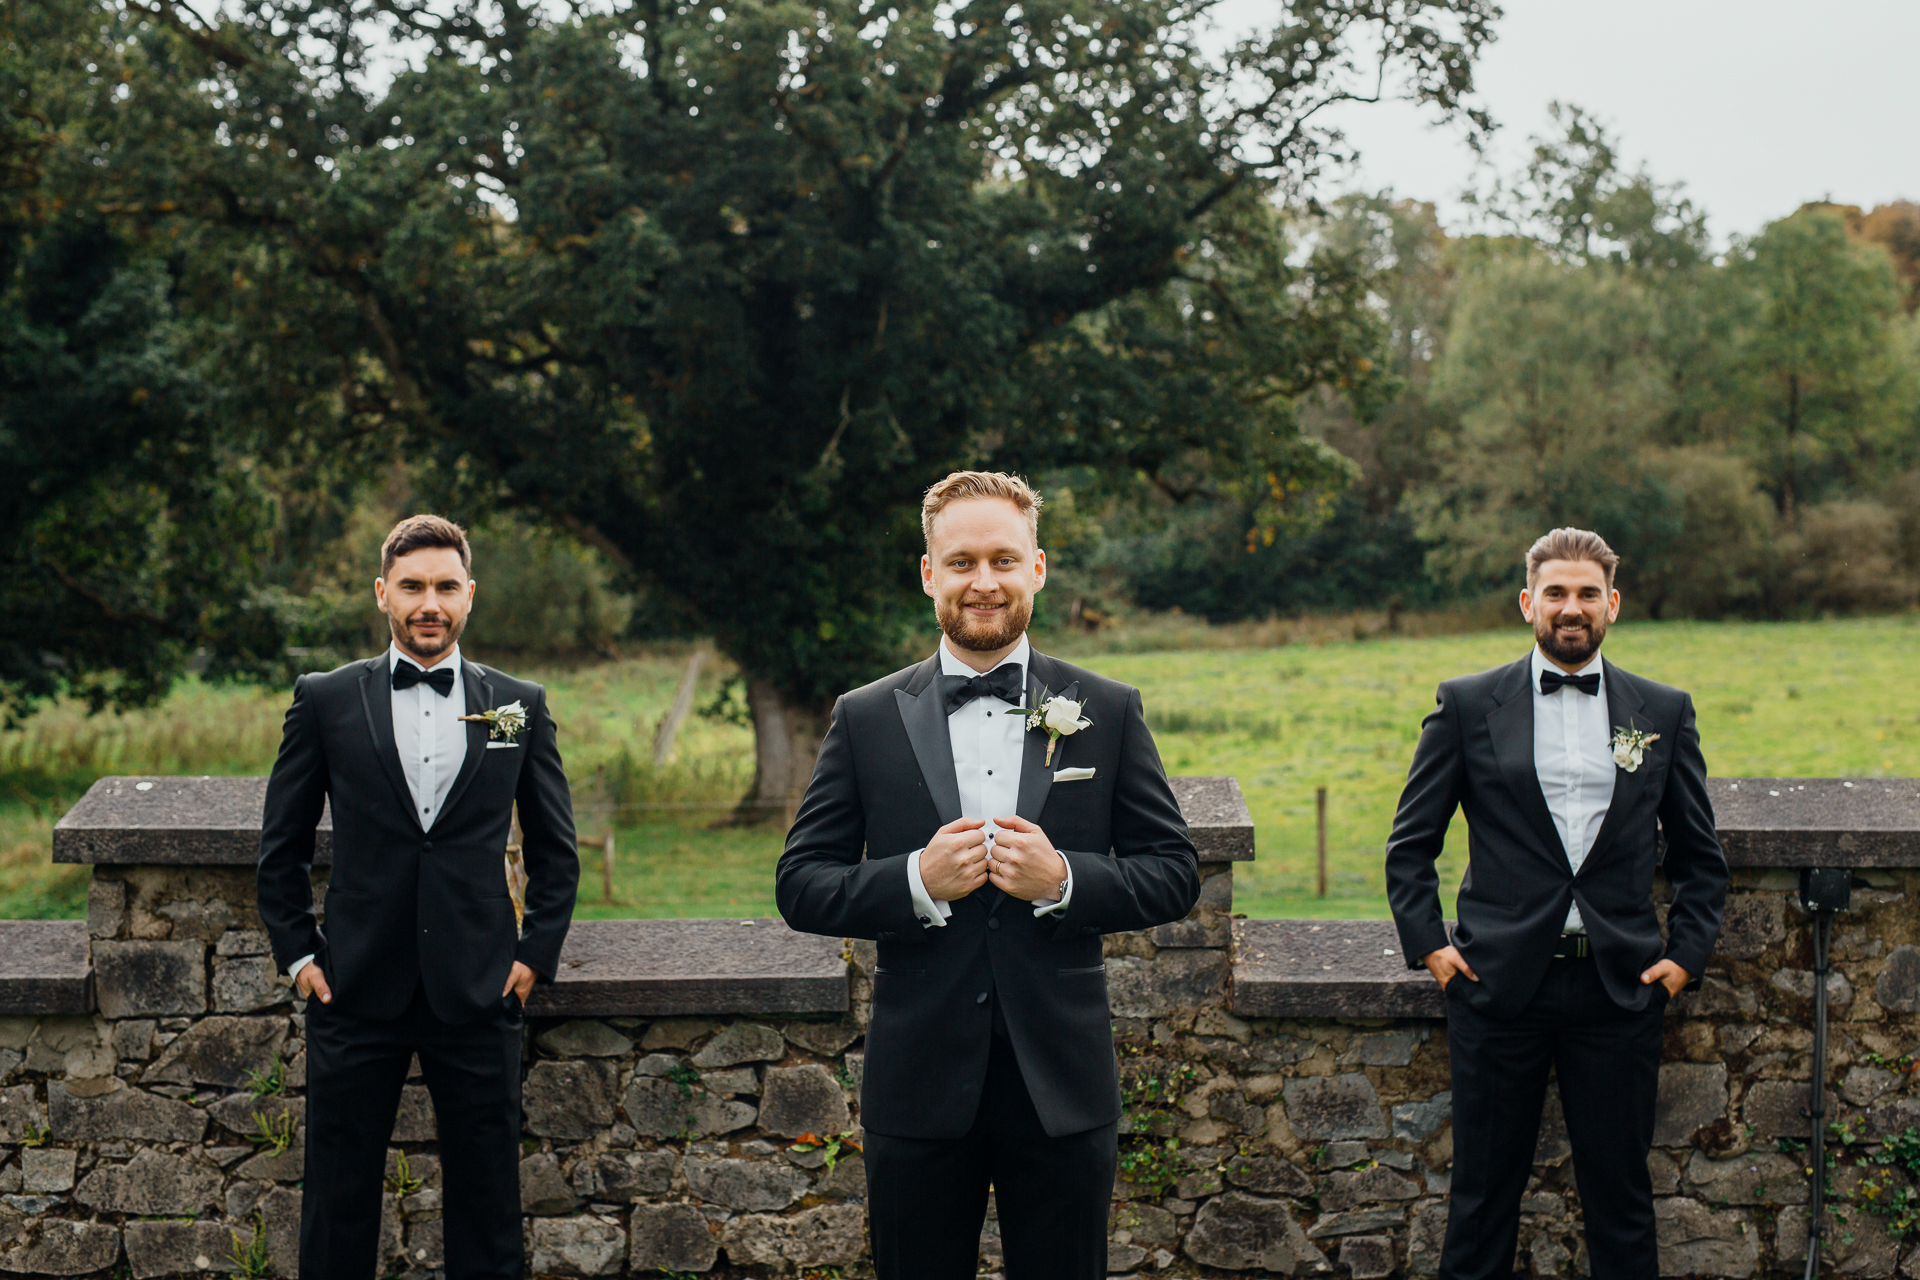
pixel 1476 752
pixel 884 784
pixel 407 906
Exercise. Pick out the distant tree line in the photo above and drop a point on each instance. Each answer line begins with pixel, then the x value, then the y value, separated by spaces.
pixel 1743 428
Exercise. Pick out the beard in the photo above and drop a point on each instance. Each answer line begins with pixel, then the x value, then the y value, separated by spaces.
pixel 1574 648
pixel 984 637
pixel 426 647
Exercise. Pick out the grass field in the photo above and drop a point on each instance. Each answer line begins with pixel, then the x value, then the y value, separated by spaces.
pixel 1793 699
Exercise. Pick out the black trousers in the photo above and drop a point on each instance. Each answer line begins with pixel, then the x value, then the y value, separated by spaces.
pixel 355 1070
pixel 1608 1062
pixel 927 1198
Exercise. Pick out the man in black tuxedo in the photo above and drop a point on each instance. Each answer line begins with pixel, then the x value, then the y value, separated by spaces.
pixel 987 857
pixel 423 756
pixel 1570 770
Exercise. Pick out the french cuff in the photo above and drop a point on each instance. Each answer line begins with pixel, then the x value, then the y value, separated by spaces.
pixel 1047 906
pixel 930 914
pixel 293 970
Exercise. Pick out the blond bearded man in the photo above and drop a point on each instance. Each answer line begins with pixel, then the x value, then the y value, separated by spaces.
pixel 937 825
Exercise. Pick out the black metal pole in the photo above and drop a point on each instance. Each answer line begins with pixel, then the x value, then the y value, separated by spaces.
pixel 1817 1098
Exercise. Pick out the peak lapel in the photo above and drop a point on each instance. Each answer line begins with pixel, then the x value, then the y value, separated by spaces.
pixel 1511 724
pixel 1623 703
pixel 479 698
pixel 925 720
pixel 376 699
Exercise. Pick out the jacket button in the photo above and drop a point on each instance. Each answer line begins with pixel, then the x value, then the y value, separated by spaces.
pixel 426 846
pixel 993 923
pixel 981 998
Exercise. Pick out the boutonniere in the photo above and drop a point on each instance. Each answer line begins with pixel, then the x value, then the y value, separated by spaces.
pixel 1630 747
pixel 503 722
pixel 1058 716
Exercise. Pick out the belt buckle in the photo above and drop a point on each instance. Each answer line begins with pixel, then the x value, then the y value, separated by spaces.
pixel 1574 946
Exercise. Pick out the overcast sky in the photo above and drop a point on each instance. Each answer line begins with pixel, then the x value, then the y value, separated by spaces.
pixel 1755 105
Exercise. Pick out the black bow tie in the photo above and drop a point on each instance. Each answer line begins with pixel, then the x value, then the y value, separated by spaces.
pixel 1002 682
pixel 406 675
pixel 1588 684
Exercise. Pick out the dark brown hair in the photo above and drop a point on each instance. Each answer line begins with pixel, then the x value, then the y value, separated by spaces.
pixel 415 532
pixel 1571 544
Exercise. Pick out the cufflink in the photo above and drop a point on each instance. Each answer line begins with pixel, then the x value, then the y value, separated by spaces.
pixel 924 920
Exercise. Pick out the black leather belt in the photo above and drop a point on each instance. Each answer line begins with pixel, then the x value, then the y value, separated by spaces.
pixel 1573 946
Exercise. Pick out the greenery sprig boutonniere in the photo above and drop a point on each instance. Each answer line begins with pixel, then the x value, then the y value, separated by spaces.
pixel 1630 746
pixel 1058 716
pixel 502 722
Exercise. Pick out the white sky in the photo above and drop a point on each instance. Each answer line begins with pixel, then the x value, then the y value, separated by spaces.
pixel 1755 105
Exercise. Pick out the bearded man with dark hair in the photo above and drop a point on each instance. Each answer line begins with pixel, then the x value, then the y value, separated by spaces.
pixel 423 757
pixel 1570 770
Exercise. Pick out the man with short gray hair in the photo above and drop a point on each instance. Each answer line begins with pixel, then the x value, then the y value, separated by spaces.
pixel 1569 770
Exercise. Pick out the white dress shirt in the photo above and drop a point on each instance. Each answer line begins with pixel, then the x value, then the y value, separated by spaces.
pixel 430 739
pixel 989 744
pixel 1574 758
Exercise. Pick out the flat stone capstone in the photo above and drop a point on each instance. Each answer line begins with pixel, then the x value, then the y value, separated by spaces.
pixel 1328 969
pixel 656 968
pixel 1217 817
pixel 172 822
pixel 44 968
pixel 1818 822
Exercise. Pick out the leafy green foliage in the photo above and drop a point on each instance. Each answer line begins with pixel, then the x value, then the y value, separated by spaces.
pixel 719 293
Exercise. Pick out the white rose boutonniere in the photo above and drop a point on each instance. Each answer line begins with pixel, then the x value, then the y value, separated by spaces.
pixel 503 722
pixel 1059 716
pixel 1630 747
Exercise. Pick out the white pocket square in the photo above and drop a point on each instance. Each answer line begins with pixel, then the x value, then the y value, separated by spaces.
pixel 1073 775
pixel 502 746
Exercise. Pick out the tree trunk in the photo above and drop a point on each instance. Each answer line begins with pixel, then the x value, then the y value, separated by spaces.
pixel 786 742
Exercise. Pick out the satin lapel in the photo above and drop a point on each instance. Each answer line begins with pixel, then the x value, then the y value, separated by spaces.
pixel 1511 724
pixel 1036 776
pixel 376 699
pixel 479 698
pixel 925 719
pixel 1623 703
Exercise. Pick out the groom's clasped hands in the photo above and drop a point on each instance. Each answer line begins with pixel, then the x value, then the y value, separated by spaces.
pixel 1018 859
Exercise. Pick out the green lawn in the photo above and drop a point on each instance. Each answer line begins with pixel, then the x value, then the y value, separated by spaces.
pixel 1794 699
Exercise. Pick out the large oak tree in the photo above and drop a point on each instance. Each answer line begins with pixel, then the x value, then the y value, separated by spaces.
pixel 722 288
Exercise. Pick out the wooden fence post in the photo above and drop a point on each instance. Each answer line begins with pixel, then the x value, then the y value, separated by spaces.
pixel 1320 806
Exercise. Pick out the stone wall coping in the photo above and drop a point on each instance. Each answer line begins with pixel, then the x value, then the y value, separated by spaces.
pixel 182 821
pixel 172 821
pixel 44 967
pixel 1327 969
pixel 1818 822
pixel 656 968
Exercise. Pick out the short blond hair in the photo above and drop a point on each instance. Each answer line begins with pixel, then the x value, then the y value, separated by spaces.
pixel 1571 544
pixel 962 485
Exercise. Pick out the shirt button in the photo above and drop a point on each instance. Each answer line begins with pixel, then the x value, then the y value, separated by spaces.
pixel 993 924
pixel 989 773
pixel 981 998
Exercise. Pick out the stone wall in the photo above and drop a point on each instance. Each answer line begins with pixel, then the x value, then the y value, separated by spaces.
pixel 1286 1089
